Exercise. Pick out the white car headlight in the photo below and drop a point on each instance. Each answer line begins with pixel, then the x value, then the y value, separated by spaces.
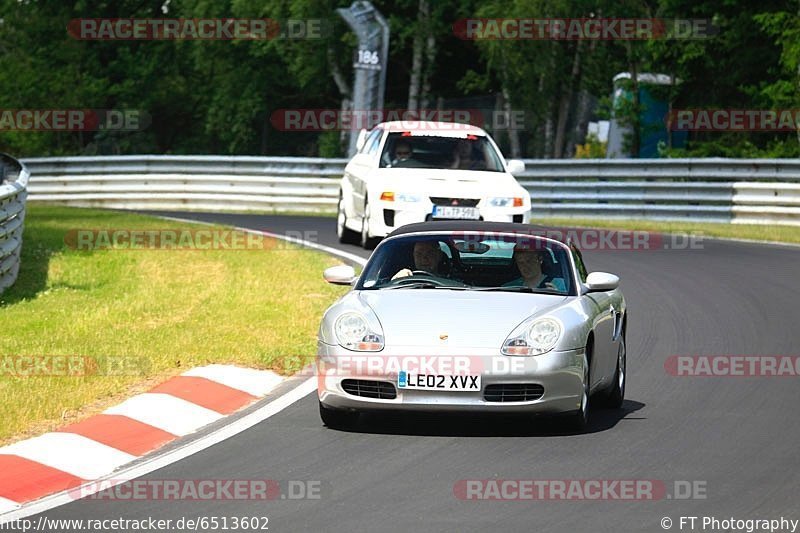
pixel 391 196
pixel 506 201
pixel 533 338
pixel 401 197
pixel 354 333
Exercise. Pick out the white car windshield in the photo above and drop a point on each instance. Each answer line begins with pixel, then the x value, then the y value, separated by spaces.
pixel 470 152
pixel 520 263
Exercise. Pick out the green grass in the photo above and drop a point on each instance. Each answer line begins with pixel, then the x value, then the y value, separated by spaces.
pixel 766 232
pixel 165 310
pixel 327 212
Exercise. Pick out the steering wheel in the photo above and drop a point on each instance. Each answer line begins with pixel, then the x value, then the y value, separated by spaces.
pixel 408 280
pixel 459 266
pixel 421 273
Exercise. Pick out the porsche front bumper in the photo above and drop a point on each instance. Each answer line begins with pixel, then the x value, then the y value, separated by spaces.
pixel 558 375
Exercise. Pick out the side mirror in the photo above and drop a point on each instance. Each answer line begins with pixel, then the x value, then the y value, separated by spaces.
pixel 340 275
pixel 601 281
pixel 362 138
pixel 515 166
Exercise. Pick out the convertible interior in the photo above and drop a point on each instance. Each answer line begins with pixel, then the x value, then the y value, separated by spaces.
pixel 469 269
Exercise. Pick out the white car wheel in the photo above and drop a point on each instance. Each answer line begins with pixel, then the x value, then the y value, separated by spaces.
pixel 345 234
pixel 368 242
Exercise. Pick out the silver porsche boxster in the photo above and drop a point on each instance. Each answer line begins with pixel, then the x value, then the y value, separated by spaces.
pixel 456 315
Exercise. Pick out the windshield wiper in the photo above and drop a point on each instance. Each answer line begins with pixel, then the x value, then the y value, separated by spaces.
pixel 415 285
pixel 426 285
pixel 515 288
pixel 520 288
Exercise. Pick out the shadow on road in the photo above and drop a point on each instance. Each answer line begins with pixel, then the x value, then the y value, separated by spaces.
pixel 462 425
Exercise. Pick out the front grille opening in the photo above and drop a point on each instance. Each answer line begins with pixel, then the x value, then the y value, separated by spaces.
pixel 513 392
pixel 518 219
pixel 460 202
pixel 388 217
pixel 381 390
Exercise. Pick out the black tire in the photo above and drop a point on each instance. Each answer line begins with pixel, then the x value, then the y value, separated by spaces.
pixel 346 235
pixel 578 420
pixel 616 392
pixel 337 419
pixel 367 242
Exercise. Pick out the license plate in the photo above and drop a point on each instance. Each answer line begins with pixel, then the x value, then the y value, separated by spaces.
pixel 408 380
pixel 450 211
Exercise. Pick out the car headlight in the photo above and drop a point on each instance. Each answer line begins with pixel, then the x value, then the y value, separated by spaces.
pixel 533 338
pixel 401 197
pixel 506 201
pixel 390 196
pixel 354 333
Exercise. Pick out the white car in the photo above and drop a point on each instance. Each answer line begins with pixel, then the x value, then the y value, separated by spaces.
pixel 435 171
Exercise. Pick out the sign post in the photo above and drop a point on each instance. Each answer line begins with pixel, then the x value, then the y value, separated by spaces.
pixel 369 59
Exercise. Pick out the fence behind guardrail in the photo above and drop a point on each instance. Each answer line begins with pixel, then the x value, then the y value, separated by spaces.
pixel 13 184
pixel 711 190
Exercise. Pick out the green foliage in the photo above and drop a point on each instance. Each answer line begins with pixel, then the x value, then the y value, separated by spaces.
pixel 330 145
pixel 591 149
pixel 733 145
pixel 219 96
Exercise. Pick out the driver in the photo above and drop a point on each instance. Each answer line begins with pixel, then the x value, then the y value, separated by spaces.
pixel 404 155
pixel 427 256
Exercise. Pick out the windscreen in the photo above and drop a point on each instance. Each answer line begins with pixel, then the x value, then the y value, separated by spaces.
pixel 470 262
pixel 469 152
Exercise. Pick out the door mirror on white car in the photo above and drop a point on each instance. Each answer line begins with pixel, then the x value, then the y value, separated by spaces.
pixel 340 275
pixel 515 166
pixel 601 281
pixel 362 138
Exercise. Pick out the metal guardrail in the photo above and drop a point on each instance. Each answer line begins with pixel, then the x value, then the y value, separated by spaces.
pixel 713 190
pixel 213 183
pixel 13 184
pixel 741 191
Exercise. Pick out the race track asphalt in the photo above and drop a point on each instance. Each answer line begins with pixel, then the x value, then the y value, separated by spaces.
pixel 736 437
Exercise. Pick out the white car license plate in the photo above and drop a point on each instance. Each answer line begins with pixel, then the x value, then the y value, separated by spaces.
pixel 408 380
pixel 448 211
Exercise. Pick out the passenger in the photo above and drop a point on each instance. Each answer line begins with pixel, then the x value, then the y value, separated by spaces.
pixel 529 262
pixel 462 157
